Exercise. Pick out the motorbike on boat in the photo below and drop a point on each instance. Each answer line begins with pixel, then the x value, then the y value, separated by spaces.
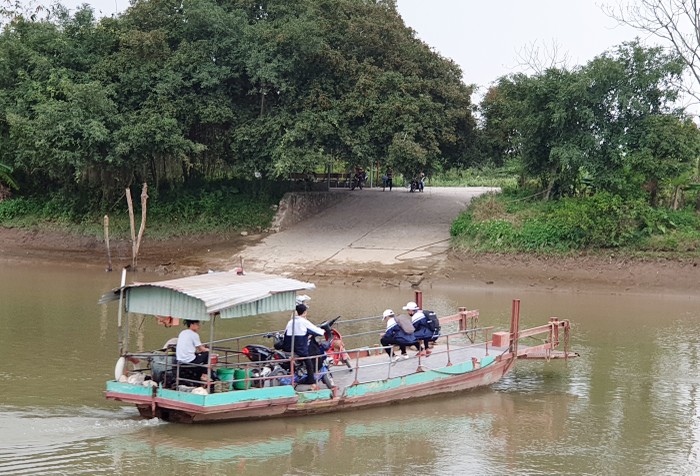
pixel 335 347
pixel 274 362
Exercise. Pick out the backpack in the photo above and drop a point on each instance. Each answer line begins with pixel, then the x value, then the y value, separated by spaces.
pixel 404 323
pixel 433 321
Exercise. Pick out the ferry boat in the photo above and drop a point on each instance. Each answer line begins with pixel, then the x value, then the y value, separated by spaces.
pixel 463 356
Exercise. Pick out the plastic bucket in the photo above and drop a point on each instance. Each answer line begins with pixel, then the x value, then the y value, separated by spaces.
pixel 214 359
pixel 240 375
pixel 225 375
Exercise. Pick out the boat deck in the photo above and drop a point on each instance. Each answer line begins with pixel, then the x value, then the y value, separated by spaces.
pixel 380 367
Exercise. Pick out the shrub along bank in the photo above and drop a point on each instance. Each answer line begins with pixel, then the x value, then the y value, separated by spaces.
pixel 221 207
pixel 513 222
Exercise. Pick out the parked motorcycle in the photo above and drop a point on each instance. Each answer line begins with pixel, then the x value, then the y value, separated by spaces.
pixel 275 363
pixel 416 184
pixel 271 362
pixel 335 349
pixel 358 180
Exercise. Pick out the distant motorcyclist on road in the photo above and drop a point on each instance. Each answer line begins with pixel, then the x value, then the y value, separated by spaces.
pixel 359 178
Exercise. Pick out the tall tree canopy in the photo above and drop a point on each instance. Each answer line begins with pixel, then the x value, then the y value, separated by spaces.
pixel 172 91
pixel 611 123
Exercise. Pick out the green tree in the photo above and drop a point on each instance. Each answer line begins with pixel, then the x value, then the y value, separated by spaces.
pixel 171 92
pixel 611 122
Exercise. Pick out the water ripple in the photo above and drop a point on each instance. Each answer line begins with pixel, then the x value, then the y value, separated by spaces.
pixel 53 442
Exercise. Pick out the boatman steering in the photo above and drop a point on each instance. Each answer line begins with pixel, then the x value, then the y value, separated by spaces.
pixel 190 350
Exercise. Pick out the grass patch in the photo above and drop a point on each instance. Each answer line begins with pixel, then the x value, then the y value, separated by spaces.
pixel 215 208
pixel 474 177
pixel 510 222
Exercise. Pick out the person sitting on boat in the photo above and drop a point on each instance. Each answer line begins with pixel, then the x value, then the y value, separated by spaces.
pixel 422 332
pixel 296 340
pixel 399 331
pixel 190 350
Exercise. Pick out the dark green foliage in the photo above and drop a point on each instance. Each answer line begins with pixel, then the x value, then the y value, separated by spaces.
pixel 216 207
pixel 607 126
pixel 174 93
pixel 15 208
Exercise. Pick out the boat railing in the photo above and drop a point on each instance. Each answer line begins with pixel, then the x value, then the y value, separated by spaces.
pixel 454 342
pixel 226 354
pixel 457 341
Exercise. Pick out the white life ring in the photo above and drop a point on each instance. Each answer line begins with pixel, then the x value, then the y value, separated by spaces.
pixel 119 368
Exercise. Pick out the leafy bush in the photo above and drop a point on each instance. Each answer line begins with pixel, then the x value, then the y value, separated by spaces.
pixel 517 222
pixel 209 208
pixel 473 177
pixel 13 208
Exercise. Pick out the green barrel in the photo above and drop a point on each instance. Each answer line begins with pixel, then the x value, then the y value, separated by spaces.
pixel 240 375
pixel 225 375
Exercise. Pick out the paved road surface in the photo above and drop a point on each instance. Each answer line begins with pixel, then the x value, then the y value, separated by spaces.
pixel 370 228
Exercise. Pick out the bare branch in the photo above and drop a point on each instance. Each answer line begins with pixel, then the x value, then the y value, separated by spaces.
pixel 676 22
pixel 539 59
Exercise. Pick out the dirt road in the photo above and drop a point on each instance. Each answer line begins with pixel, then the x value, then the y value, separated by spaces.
pixel 371 229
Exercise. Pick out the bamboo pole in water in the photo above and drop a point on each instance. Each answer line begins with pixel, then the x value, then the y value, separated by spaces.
pixel 122 339
pixel 109 253
pixel 130 204
pixel 136 243
pixel 142 228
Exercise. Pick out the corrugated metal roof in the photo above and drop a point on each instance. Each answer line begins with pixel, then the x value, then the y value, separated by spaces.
pixel 227 293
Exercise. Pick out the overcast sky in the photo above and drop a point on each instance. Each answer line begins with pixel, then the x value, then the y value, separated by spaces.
pixel 485 37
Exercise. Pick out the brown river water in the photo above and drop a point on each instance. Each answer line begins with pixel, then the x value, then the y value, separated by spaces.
pixel 629 405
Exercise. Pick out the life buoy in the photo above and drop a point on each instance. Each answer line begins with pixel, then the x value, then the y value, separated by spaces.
pixel 119 368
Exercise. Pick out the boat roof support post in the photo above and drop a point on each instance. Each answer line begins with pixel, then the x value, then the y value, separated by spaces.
pixel 291 360
pixel 211 339
pixel 419 299
pixel 120 330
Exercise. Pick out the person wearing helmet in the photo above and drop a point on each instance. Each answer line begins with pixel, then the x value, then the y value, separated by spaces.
pixel 396 335
pixel 420 325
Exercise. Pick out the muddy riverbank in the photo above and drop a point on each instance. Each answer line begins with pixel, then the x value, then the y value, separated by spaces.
pixel 191 255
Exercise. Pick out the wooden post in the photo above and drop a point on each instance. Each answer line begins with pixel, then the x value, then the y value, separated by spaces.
pixel 419 299
pixel 142 228
pixel 515 327
pixel 122 338
pixel 130 204
pixel 109 253
pixel 136 243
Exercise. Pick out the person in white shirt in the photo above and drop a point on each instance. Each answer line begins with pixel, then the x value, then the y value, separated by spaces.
pixel 190 349
pixel 296 340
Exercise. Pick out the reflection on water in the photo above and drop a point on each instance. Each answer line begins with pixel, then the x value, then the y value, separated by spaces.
pixel 628 405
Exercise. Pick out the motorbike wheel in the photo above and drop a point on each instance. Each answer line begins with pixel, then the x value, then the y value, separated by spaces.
pixel 328 380
pixel 275 382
